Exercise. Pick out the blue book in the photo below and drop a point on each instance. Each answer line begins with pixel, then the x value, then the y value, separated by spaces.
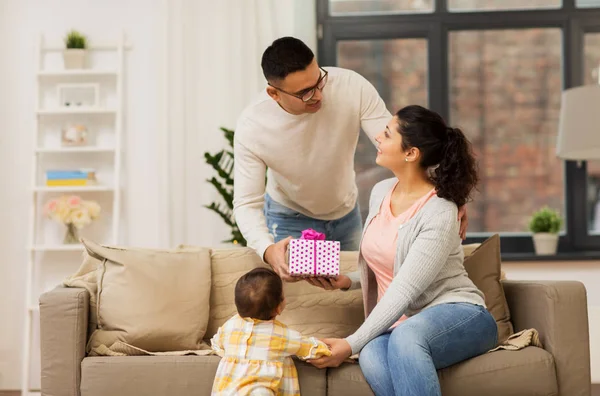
pixel 66 174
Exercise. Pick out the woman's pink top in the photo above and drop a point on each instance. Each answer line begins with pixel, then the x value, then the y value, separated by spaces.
pixel 379 242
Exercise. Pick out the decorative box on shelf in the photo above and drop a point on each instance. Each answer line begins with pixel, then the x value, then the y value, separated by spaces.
pixel 84 95
pixel 80 177
pixel 74 134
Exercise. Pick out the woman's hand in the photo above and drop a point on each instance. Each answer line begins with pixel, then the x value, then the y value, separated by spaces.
pixel 339 282
pixel 464 222
pixel 340 351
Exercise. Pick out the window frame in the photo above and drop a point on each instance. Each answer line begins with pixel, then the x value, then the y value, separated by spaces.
pixel 436 27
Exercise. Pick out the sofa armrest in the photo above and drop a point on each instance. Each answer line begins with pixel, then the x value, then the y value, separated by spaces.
pixel 558 310
pixel 63 336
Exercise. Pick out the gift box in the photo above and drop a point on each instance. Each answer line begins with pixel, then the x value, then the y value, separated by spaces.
pixel 312 255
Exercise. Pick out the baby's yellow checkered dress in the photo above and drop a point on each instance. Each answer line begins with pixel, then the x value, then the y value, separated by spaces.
pixel 256 357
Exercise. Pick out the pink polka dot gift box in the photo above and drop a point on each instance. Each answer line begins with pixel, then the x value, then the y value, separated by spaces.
pixel 312 255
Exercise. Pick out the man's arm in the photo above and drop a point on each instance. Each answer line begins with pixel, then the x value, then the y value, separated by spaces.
pixel 374 116
pixel 248 197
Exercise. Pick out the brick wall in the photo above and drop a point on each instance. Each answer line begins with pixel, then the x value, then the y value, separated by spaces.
pixel 505 91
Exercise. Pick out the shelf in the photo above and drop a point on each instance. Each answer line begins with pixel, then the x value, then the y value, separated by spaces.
pixel 75 150
pixel 72 188
pixel 57 248
pixel 75 110
pixel 76 73
pixel 97 46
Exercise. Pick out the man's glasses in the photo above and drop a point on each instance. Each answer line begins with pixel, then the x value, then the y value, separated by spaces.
pixel 308 93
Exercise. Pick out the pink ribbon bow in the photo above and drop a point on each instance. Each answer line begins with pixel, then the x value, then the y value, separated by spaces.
pixel 314 236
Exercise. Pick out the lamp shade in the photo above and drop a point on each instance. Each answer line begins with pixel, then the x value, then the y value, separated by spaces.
pixel 579 125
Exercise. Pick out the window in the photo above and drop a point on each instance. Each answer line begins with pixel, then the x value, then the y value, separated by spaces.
pixel 398 69
pixel 591 52
pixel 592 76
pixel 480 5
pixel 505 88
pixel 593 197
pixel 496 69
pixel 379 6
pixel 587 3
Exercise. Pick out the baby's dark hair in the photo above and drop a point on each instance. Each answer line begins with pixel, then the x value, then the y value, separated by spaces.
pixel 258 293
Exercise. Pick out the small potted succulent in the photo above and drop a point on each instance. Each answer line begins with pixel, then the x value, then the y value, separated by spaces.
pixel 75 52
pixel 545 225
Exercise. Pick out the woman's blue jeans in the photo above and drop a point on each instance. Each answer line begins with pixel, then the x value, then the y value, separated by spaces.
pixel 404 362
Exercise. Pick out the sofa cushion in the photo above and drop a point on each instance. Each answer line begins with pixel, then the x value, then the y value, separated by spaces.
pixel 483 266
pixel 156 300
pixel 469 248
pixel 170 375
pixel 227 266
pixel 310 310
pixel 529 371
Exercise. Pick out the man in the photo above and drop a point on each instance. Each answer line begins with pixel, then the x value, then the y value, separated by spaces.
pixel 302 132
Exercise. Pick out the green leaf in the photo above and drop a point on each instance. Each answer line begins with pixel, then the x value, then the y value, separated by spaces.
pixel 75 40
pixel 225 215
pixel 228 135
pixel 227 195
pixel 223 163
pixel 545 220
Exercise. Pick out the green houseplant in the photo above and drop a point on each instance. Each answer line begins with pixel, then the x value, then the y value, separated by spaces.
pixel 222 163
pixel 75 51
pixel 545 225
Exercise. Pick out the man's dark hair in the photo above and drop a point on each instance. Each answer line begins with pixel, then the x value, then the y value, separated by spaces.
pixel 258 293
pixel 285 56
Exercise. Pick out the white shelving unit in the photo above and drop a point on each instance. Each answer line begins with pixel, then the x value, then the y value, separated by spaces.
pixel 62 112
pixel 43 250
pixel 75 73
pixel 59 150
pixel 73 189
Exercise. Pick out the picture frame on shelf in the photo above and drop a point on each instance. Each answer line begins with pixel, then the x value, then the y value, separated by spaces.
pixel 78 95
pixel 74 135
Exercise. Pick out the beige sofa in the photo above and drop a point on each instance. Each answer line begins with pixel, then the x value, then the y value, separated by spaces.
pixel 556 309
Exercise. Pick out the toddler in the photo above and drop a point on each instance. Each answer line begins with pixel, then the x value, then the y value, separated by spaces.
pixel 255 348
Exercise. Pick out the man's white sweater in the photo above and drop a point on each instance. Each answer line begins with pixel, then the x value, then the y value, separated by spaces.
pixel 309 157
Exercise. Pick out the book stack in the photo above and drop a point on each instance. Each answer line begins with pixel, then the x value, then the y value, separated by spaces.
pixel 71 177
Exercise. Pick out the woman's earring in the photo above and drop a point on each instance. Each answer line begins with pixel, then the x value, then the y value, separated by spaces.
pixel 406 159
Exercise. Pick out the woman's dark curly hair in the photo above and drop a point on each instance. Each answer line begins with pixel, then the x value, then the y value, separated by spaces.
pixel 443 147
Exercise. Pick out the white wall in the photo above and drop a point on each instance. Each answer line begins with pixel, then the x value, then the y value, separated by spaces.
pixel 144 23
pixel 20 23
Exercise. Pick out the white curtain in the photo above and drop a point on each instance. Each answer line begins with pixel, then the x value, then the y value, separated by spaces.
pixel 212 71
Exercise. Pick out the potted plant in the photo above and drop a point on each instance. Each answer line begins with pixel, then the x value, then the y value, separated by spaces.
pixel 222 162
pixel 75 53
pixel 545 225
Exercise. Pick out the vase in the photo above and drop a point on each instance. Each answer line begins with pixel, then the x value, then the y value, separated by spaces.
pixel 545 243
pixel 71 237
pixel 74 58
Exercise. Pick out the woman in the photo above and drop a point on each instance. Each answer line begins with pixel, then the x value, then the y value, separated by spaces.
pixel 422 311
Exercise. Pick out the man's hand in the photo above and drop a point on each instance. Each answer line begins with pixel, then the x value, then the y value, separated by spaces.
pixel 339 282
pixel 275 256
pixel 464 222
